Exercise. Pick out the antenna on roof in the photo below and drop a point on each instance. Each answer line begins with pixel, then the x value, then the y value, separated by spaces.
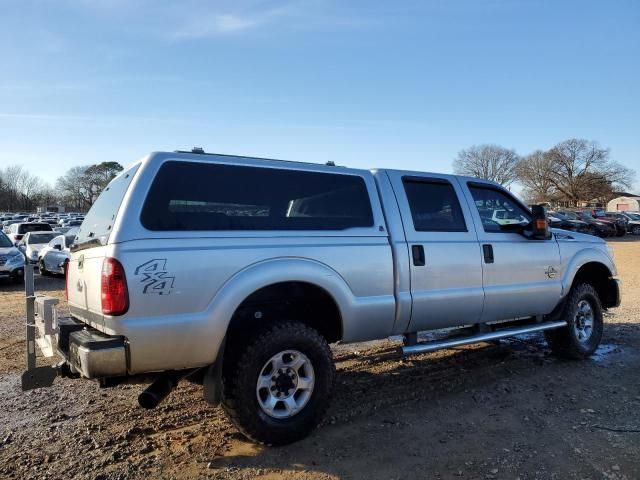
pixel 330 163
pixel 197 150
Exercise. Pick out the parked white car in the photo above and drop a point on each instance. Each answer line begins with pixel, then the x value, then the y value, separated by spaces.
pixel 17 231
pixel 54 255
pixel 33 242
pixel 508 217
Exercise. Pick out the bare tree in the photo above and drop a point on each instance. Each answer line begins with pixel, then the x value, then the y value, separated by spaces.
pixel 74 190
pixel 491 162
pixel 19 189
pixel 581 170
pixel 533 174
pixel 82 185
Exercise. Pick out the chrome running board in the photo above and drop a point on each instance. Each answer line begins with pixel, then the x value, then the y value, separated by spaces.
pixel 482 337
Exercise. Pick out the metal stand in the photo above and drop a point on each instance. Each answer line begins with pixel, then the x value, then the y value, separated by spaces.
pixel 34 377
pixel 29 290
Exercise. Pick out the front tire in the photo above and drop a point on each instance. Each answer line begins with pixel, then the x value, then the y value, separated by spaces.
pixel 277 387
pixel 583 313
pixel 636 230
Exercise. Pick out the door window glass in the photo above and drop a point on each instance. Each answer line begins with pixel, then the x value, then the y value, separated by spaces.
pixel 434 206
pixel 498 211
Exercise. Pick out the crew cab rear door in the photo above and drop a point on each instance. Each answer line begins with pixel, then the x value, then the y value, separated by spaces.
pixel 522 277
pixel 444 253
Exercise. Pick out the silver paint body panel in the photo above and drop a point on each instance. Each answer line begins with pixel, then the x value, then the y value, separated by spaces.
pixel 204 276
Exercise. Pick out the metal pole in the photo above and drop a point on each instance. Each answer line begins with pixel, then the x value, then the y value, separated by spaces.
pixel 29 290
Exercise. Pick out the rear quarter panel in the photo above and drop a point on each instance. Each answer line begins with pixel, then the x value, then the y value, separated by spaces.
pixel 185 286
pixel 183 292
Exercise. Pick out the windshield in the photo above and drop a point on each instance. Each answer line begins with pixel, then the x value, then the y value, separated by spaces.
pixel 41 237
pixel 4 241
pixel 633 216
pixel 98 222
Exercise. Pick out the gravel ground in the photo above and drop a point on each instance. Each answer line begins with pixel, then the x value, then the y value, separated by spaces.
pixel 489 411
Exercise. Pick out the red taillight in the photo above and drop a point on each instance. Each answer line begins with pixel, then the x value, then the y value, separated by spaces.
pixel 115 296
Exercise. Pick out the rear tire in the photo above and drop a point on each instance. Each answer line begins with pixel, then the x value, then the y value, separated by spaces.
pixel 636 230
pixel 583 313
pixel 43 270
pixel 277 387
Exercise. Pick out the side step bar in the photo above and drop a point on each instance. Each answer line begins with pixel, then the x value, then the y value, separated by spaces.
pixel 482 337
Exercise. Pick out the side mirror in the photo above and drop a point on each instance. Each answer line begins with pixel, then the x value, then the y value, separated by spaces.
pixel 57 246
pixel 539 229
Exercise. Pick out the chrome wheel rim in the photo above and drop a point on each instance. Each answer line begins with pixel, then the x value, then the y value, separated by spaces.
pixel 583 321
pixel 285 384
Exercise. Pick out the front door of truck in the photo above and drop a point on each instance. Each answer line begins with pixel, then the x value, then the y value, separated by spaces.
pixel 444 253
pixel 522 277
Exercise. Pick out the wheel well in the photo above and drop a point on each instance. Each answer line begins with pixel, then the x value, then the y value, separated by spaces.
pixel 597 275
pixel 301 301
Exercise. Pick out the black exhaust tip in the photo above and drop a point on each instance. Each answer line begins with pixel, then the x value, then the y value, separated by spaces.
pixel 160 389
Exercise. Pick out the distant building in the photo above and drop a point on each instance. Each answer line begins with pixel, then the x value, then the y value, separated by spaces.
pixel 626 203
pixel 51 208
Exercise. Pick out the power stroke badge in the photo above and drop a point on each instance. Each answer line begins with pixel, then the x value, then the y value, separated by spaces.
pixel 155 277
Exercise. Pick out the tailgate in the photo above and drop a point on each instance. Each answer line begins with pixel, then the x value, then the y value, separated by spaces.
pixel 84 285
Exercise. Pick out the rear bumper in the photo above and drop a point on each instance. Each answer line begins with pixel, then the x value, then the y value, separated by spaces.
pixel 12 269
pixel 90 353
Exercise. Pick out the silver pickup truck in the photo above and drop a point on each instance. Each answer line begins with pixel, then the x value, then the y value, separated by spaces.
pixel 239 272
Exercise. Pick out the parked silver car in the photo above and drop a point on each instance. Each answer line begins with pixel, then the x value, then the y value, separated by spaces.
pixel 55 255
pixel 11 260
pixel 33 242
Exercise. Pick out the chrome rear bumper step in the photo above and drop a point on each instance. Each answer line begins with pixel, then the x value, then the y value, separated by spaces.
pixel 432 346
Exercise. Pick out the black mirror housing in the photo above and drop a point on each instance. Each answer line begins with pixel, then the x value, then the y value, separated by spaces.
pixel 539 226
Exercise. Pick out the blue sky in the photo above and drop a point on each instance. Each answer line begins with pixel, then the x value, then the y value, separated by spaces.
pixel 403 84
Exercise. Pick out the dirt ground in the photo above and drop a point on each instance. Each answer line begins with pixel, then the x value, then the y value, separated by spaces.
pixel 489 411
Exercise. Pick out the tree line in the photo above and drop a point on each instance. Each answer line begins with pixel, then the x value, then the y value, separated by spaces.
pixel 571 172
pixel 76 190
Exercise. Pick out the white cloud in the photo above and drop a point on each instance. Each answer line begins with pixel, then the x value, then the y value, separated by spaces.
pixel 212 25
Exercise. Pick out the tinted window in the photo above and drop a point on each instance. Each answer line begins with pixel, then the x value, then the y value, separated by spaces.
pixel 498 210
pixel 34 227
pixel 35 238
pixel 198 196
pixel 4 241
pixel 434 206
pixel 98 222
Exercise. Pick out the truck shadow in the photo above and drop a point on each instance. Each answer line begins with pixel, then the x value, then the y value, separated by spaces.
pixel 381 398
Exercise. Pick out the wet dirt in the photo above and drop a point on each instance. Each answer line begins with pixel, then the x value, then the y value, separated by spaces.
pixel 497 410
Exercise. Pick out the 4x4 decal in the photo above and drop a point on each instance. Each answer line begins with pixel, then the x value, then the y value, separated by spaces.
pixel 155 277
